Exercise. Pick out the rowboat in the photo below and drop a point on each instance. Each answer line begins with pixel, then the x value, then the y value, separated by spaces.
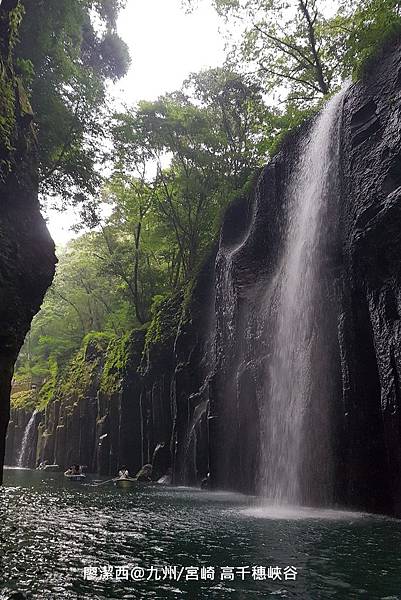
pixel 77 477
pixel 124 482
pixel 49 468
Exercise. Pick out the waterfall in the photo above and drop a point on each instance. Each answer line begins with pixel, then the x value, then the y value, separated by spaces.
pixel 296 411
pixel 27 440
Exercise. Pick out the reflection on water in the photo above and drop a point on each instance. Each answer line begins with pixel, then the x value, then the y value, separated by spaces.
pixel 52 529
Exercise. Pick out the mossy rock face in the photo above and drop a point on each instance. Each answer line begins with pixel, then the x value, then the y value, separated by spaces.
pixel 49 386
pixel 25 400
pixel 81 376
pixel 123 355
pixel 14 103
pixel 101 364
pixel 167 314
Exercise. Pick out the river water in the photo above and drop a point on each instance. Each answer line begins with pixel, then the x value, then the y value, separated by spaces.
pixel 51 530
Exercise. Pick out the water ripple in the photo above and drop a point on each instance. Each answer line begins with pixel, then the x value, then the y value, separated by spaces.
pixel 51 530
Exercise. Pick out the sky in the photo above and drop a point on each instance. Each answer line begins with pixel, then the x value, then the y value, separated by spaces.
pixel 166 45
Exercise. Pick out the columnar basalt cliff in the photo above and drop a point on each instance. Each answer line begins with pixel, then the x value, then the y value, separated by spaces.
pixel 134 401
pixel 26 250
pixel 360 290
pixel 194 393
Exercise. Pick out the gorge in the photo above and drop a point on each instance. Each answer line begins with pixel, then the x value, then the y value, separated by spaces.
pixel 278 370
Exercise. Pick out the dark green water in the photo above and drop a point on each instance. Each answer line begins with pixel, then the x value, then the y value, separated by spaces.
pixel 51 529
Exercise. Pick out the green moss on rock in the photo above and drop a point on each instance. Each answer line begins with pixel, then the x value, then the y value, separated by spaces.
pixel 48 389
pixel 10 89
pixel 115 364
pixel 83 372
pixel 123 354
pixel 167 313
pixel 25 399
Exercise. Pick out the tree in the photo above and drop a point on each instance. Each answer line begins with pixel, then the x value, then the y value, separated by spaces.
pixel 123 235
pixel 67 52
pixel 368 25
pixel 290 44
pixel 83 298
pixel 302 50
pixel 204 141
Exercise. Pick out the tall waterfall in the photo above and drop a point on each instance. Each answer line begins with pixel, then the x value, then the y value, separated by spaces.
pixel 27 440
pixel 296 414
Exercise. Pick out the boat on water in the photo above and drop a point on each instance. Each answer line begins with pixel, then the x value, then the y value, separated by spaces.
pixel 49 468
pixel 75 473
pixel 124 482
pixel 75 477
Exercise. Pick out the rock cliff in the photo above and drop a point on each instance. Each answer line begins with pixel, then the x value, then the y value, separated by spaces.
pixel 133 401
pixel 363 255
pixel 26 250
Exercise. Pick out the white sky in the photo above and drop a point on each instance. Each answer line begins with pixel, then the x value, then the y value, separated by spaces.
pixel 166 45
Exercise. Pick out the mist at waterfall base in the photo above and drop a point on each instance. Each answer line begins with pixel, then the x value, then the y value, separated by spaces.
pixel 52 529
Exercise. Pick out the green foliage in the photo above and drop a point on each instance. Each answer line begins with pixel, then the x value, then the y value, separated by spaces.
pixel 67 52
pixel 287 123
pixel 117 358
pixel 7 120
pixel 25 399
pixel 14 21
pixel 48 389
pixel 83 298
pixel 371 26
pixel 82 375
pixel 292 47
pixel 114 367
pixel 212 129
pixel 99 364
pixel 301 50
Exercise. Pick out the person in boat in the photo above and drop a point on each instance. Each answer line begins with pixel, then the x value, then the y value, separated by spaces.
pixel 74 470
pixel 123 473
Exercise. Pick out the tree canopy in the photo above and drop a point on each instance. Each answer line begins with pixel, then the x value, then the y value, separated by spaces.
pixel 301 50
pixel 67 52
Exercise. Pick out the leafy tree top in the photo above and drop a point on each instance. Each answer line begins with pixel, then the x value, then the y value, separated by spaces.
pixel 67 52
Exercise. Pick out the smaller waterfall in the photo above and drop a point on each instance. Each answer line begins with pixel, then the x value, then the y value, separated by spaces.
pixel 27 440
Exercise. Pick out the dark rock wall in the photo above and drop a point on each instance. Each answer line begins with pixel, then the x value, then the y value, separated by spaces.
pixel 369 334
pixel 27 256
pixel 364 263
